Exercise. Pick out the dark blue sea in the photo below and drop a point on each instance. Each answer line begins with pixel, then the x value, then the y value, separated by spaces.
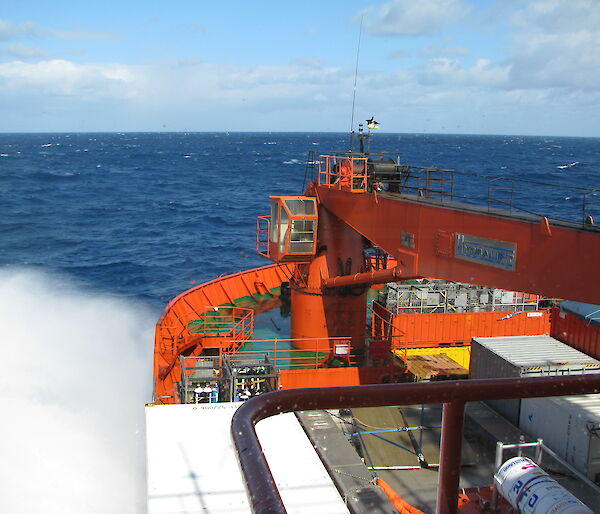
pixel 147 215
pixel 99 231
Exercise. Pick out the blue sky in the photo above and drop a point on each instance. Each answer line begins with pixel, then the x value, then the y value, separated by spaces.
pixel 441 66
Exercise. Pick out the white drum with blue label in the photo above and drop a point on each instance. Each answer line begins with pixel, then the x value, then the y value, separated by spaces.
pixel 530 490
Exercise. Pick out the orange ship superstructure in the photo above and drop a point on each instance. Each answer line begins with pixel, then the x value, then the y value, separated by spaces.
pixel 388 278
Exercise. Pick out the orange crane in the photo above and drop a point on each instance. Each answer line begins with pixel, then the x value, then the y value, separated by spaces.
pixel 427 236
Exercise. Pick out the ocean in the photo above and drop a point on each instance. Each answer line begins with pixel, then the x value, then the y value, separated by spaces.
pixel 144 216
pixel 100 231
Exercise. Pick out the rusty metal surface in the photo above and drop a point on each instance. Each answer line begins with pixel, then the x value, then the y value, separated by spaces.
pixel 260 485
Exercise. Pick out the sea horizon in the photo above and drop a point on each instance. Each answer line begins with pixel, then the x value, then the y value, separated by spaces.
pixel 299 132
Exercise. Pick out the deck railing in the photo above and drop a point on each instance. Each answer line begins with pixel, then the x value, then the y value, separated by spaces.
pixel 285 357
pixel 260 485
pixel 492 191
pixel 439 296
pixel 234 322
pixel 263 231
pixel 344 172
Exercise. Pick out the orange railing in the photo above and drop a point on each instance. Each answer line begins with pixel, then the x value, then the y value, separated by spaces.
pixel 229 289
pixel 344 172
pixel 263 230
pixel 383 328
pixel 234 322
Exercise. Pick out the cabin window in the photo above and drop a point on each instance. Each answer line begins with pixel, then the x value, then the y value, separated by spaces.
pixel 283 228
pixel 300 207
pixel 302 236
pixel 274 220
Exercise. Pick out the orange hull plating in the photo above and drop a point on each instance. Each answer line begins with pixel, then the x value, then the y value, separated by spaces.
pixel 173 338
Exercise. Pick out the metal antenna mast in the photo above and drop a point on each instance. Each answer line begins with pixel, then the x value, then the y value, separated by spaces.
pixel 354 92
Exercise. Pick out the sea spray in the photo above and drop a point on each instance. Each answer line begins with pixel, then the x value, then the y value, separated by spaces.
pixel 77 369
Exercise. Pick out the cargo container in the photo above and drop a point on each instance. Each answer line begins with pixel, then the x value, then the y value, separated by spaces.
pixel 455 313
pixel 419 330
pixel 525 356
pixel 578 325
pixel 569 425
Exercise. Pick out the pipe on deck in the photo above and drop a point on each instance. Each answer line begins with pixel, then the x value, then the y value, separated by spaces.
pixel 370 277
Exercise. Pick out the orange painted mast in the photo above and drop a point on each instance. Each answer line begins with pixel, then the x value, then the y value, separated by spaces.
pixel 328 295
pixel 323 313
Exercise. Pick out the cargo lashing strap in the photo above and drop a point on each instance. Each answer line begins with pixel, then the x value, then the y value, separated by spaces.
pixel 590 317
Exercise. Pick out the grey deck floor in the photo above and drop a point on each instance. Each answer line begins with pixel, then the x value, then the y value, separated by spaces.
pixel 483 427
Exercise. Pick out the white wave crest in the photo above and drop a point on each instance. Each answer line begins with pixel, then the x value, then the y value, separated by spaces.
pixel 77 371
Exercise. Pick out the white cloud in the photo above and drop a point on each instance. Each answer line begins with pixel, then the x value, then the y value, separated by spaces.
pixel 60 77
pixel 557 45
pixel 10 30
pixel 20 51
pixel 439 51
pixel 122 97
pixel 411 18
pixel 555 52
pixel 556 16
pixel 449 72
pixel 444 94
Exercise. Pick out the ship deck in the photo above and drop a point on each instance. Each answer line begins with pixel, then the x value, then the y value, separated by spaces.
pixel 192 466
pixel 407 459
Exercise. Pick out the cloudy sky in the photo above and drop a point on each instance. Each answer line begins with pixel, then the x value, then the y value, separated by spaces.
pixel 440 66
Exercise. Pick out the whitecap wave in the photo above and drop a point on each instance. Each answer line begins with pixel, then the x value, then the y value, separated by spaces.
pixel 77 371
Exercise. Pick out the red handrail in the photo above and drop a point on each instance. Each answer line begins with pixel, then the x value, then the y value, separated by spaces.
pixel 260 485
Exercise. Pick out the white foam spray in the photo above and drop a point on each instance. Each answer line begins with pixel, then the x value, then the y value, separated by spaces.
pixel 75 373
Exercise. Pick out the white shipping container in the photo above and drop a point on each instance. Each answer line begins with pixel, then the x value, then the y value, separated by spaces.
pixel 520 356
pixel 525 356
pixel 570 426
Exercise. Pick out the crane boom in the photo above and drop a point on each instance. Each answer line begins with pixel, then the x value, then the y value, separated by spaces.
pixel 466 243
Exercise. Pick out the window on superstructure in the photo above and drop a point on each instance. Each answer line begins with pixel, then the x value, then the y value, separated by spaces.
pixel 301 207
pixel 274 220
pixel 283 228
pixel 302 236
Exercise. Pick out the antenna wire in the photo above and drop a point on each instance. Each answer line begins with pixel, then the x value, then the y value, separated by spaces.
pixel 356 73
